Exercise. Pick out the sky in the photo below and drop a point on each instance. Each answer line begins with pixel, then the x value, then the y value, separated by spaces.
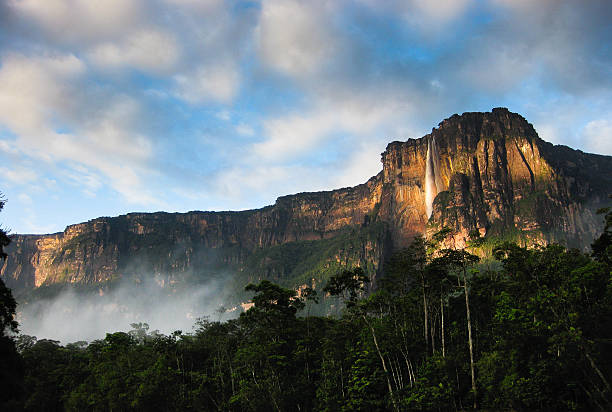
pixel 116 106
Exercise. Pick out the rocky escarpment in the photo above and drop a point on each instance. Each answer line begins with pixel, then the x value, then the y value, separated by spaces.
pixel 492 173
pixel 498 177
pixel 195 244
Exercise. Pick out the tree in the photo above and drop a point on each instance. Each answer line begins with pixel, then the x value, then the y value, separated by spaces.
pixel 8 305
pixel 348 284
pixel 11 370
pixel 406 266
pixel 4 239
pixel 553 318
pixel 602 246
pixel 460 261
pixel 267 365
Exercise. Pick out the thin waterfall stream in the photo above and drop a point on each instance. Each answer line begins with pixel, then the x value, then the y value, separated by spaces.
pixel 433 181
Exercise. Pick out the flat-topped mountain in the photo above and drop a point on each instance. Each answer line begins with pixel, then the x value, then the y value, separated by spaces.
pixel 476 171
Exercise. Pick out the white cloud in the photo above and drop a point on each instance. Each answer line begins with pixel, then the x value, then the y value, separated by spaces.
pixel 241 180
pixel 295 134
pixel 56 117
pixel 198 44
pixel 245 130
pixel 33 89
pixel 8 147
pixel 18 175
pixel 198 5
pixel 429 17
pixel 295 36
pixel 347 83
pixel 523 6
pixel 362 163
pixel 496 67
pixel 81 20
pixel 360 113
pixel 597 136
pixel 360 124
pixel 252 183
pixel 214 82
pixel 82 177
pixel 31 226
pixel 441 10
pixel 223 115
pixel 24 199
pixel 152 50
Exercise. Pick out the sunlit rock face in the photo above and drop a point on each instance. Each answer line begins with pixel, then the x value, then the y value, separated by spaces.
pixel 195 243
pixel 496 176
pixel 478 171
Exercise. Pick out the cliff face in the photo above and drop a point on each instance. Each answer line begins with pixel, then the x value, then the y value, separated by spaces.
pixel 497 176
pixel 478 171
pixel 193 243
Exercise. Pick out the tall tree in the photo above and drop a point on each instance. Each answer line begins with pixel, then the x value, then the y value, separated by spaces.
pixel 460 261
pixel 405 267
pixel 4 239
pixel 351 284
pixel 602 246
pixel 11 370
pixel 7 302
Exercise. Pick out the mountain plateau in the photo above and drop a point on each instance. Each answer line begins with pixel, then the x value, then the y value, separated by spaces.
pixel 476 171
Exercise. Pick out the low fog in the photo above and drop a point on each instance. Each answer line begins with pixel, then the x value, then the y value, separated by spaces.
pixel 73 315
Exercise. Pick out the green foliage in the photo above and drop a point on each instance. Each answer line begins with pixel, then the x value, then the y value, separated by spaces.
pixel 602 246
pixel 298 262
pixel 527 206
pixel 349 284
pixel 10 364
pixel 541 320
pixel 8 306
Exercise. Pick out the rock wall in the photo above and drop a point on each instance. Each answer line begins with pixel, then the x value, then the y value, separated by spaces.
pixel 497 176
pixel 164 243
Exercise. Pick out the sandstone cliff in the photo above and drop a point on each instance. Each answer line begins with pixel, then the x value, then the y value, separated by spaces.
pixel 499 177
pixel 478 171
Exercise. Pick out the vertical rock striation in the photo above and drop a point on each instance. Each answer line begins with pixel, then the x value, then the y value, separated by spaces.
pixel 477 171
pixel 497 176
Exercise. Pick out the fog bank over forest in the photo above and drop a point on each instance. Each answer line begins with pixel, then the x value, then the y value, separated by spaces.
pixel 74 315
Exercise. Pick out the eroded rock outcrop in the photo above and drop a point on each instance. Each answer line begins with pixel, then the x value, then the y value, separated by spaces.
pixel 491 173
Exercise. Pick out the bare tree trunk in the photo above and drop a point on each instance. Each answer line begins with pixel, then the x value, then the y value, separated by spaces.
pixel 432 331
pixel 442 323
pixel 398 366
pixel 592 398
pixel 342 380
pixel 599 373
pixel 411 377
pixel 232 377
pixel 395 373
pixel 384 365
pixel 470 342
pixel 412 373
pixel 425 315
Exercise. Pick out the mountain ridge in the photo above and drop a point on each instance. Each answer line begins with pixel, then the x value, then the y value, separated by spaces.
pixel 494 175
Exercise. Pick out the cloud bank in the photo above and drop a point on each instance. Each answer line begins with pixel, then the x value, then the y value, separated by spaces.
pixel 141 105
pixel 73 316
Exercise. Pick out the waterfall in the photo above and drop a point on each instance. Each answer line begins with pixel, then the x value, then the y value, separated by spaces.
pixel 433 181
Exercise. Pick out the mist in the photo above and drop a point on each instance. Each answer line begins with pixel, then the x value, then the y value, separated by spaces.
pixel 74 315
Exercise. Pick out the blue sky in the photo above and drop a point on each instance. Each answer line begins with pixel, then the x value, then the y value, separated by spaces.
pixel 145 105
